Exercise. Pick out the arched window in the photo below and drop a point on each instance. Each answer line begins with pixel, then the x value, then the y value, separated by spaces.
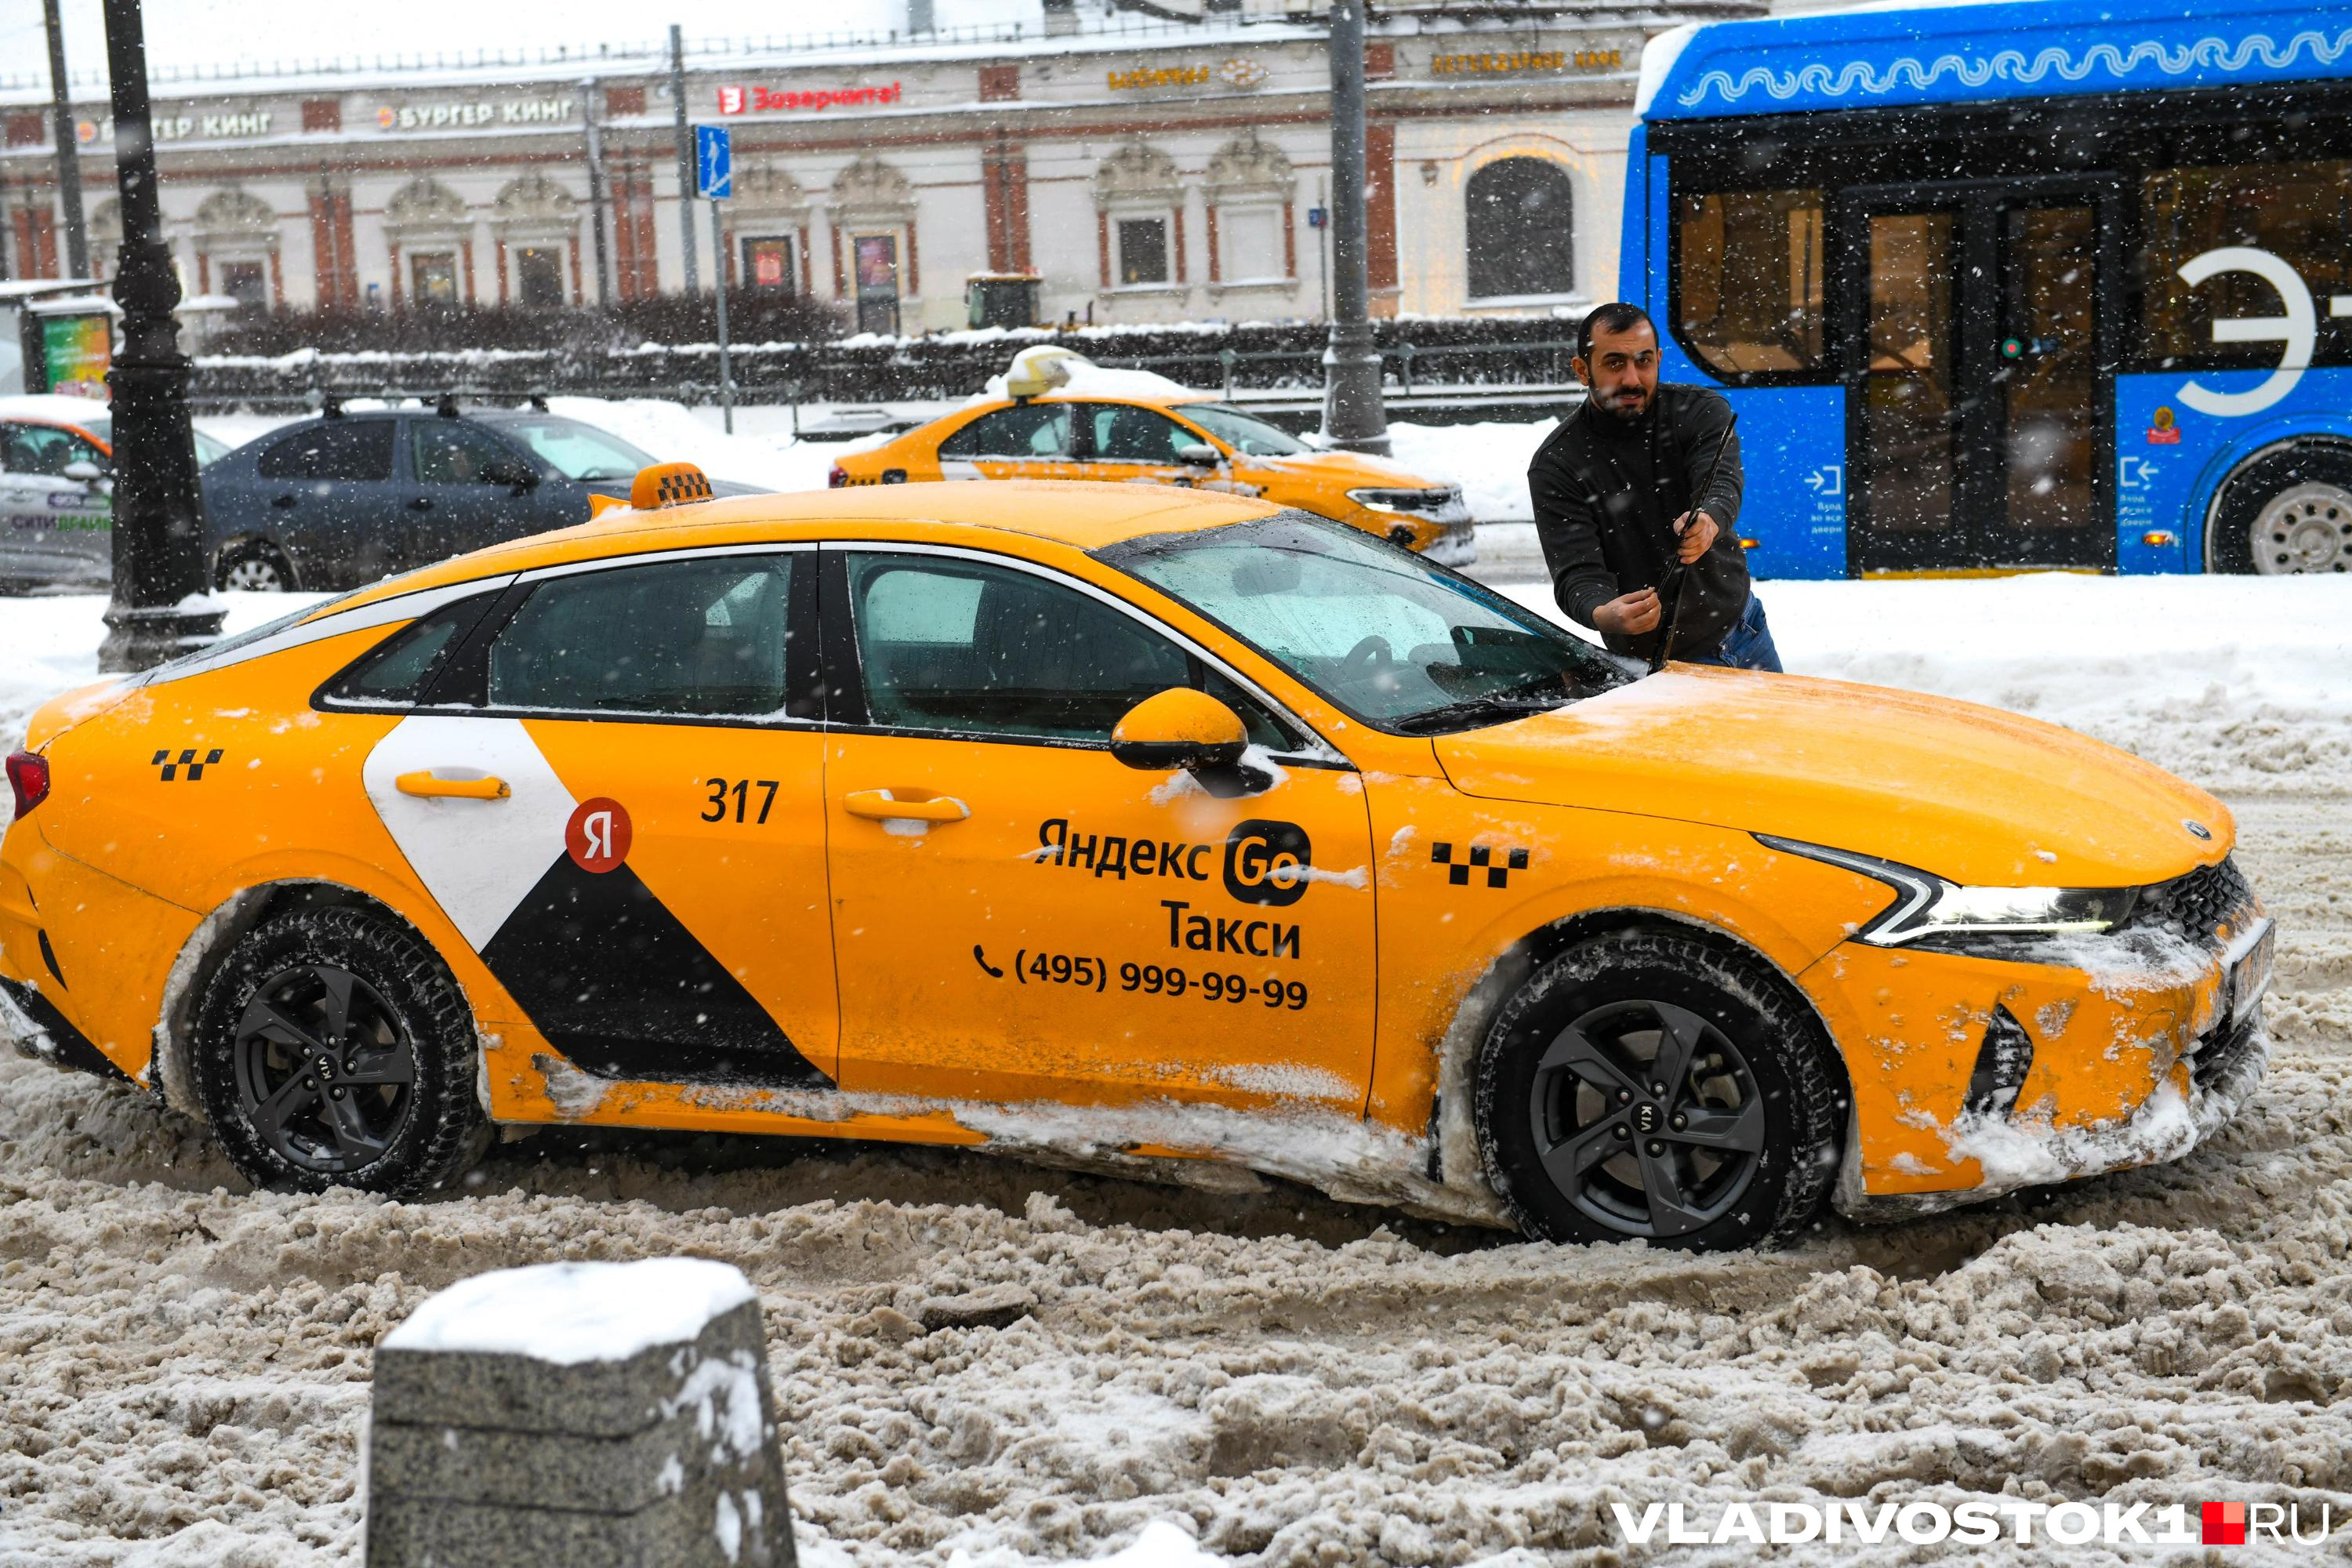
pixel 1522 229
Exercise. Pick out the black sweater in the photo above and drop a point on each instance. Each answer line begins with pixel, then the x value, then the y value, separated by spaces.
pixel 1605 519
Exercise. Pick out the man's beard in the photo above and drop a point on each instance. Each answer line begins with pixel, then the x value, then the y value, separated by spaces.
pixel 1630 411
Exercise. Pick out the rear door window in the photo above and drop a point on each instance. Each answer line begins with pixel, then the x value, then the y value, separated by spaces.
pixel 699 637
pixel 331 449
pixel 1024 430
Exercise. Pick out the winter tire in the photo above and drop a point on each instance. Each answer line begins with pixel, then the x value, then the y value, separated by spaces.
pixel 2287 513
pixel 1654 1084
pixel 255 568
pixel 333 1048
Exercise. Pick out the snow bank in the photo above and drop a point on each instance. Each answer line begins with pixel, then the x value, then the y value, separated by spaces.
pixel 568 1313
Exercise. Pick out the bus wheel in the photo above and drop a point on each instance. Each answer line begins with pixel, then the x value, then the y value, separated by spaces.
pixel 2287 513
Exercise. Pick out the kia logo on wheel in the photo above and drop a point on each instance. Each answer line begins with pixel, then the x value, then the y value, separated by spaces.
pixel 1646 1117
pixel 1267 862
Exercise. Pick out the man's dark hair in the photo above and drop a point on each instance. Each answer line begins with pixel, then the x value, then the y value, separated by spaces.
pixel 1615 317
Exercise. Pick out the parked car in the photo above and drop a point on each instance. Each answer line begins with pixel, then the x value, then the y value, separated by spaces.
pixel 349 497
pixel 57 491
pixel 1060 417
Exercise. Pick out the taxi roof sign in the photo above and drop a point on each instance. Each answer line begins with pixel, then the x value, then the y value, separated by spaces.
pixel 669 484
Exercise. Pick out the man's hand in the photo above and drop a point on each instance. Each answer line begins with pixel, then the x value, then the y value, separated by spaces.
pixel 1697 531
pixel 1628 615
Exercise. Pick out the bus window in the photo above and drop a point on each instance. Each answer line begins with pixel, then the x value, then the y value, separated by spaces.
pixel 1747 284
pixel 2301 213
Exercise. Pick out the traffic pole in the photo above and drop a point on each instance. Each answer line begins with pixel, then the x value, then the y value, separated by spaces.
pixel 68 151
pixel 686 165
pixel 1352 415
pixel 726 378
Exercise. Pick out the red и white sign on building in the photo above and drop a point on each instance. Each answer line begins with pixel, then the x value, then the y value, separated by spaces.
pixel 767 100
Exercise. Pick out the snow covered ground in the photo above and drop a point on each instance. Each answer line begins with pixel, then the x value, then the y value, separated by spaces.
pixel 1273 1375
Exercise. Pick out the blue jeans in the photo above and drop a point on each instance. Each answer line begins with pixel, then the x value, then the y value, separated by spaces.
pixel 1747 646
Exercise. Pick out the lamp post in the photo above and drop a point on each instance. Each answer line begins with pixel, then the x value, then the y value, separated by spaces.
pixel 1352 415
pixel 159 608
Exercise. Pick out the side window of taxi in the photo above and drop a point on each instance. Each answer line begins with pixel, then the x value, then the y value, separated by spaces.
pixel 1023 430
pixel 1122 433
pixel 694 637
pixel 962 648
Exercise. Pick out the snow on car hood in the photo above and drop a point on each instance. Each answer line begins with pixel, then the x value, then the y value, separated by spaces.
pixel 1353 469
pixel 1972 793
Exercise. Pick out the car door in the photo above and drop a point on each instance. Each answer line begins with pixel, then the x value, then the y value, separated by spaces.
pixel 470 488
pixel 1017 915
pixel 53 529
pixel 324 495
pixel 615 795
pixel 1026 441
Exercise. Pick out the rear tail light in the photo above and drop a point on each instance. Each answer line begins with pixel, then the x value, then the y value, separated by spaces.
pixel 28 775
pixel 837 478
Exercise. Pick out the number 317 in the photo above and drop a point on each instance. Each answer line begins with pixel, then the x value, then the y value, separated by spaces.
pixel 741 790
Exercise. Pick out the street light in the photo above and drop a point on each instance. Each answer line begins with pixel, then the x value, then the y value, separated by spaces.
pixel 159 608
pixel 1352 415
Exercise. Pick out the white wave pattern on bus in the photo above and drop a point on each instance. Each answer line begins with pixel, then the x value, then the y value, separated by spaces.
pixel 2013 65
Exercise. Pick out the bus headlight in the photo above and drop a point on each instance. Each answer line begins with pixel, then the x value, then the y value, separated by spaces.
pixel 1933 912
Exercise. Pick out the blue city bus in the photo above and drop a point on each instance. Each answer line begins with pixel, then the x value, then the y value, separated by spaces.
pixel 2007 286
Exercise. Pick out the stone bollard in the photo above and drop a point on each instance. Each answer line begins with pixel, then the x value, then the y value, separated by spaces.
pixel 578 1415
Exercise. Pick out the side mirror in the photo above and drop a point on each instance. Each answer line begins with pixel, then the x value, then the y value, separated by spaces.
pixel 84 472
pixel 1199 455
pixel 1179 728
pixel 520 477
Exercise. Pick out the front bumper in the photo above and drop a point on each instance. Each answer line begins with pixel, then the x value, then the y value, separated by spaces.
pixel 2140 1049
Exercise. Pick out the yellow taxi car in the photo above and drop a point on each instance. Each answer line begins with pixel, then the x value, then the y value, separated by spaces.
pixel 1144 825
pixel 1128 427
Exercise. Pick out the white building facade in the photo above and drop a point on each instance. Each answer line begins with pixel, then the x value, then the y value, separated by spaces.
pixel 1141 173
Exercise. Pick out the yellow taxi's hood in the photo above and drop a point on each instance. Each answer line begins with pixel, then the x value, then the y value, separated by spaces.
pixel 1348 470
pixel 1971 793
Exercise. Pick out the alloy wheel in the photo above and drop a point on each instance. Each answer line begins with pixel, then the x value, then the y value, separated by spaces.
pixel 2305 528
pixel 1647 1118
pixel 325 1072
pixel 255 574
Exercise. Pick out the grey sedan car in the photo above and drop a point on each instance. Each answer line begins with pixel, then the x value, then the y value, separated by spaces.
pixel 56 497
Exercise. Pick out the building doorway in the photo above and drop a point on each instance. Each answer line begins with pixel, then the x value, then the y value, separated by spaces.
pixel 877 283
pixel 538 277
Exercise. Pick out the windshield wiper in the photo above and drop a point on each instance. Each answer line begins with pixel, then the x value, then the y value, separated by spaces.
pixel 1495 706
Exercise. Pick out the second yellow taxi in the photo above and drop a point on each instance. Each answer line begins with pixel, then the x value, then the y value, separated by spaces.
pixel 1058 416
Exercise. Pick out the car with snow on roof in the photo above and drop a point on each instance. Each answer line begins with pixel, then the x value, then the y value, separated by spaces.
pixel 1134 825
pixel 1057 415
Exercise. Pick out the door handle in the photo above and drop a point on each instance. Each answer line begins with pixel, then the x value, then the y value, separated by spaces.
pixel 281 501
pixel 421 503
pixel 432 788
pixel 883 805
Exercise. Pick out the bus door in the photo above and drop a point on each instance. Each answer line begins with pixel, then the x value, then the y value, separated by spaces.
pixel 1979 347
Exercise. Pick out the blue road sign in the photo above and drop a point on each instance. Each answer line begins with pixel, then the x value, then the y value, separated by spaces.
pixel 1316 217
pixel 714 163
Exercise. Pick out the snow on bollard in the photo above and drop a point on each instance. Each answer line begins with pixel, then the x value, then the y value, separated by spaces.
pixel 578 1415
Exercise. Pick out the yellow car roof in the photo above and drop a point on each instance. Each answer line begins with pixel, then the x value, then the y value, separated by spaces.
pixel 1080 515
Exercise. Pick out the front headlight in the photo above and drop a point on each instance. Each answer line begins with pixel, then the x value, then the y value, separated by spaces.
pixel 1928 909
pixel 1441 505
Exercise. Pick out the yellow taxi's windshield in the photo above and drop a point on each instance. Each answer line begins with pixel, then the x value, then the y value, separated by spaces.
pixel 1402 645
pixel 1245 433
